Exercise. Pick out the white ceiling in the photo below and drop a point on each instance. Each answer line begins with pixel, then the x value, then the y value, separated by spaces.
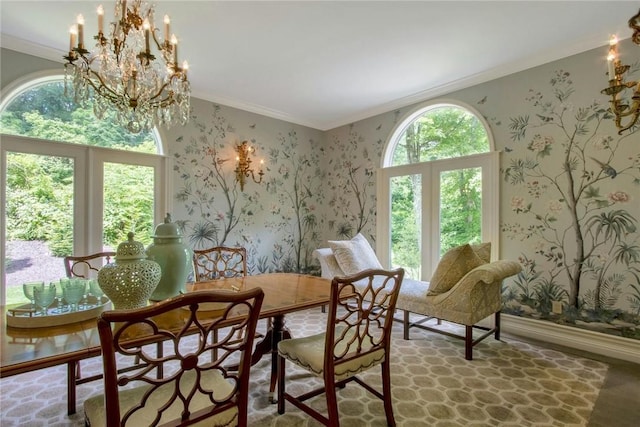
pixel 325 64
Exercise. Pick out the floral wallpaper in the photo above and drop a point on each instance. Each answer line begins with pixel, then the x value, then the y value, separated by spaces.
pixel 569 203
pixel 569 196
pixel 278 219
pixel 576 207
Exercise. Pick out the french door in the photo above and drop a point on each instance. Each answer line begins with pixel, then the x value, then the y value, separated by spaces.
pixel 95 174
pixel 426 208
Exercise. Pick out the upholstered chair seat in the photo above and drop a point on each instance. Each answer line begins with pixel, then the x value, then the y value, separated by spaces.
pixel 94 407
pixel 309 353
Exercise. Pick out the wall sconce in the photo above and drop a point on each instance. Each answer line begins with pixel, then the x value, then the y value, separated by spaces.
pixel 620 107
pixel 243 165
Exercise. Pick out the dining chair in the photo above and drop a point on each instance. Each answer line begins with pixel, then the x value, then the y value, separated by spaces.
pixel 357 338
pixel 219 262
pixel 181 385
pixel 87 266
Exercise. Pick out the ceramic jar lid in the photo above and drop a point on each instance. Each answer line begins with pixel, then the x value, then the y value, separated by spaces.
pixel 130 250
pixel 167 230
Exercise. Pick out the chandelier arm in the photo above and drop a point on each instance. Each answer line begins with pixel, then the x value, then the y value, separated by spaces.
pixel 161 46
pixel 110 94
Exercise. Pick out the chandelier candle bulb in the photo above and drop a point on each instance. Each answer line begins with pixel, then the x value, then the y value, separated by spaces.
pixel 167 21
pixel 174 43
pixel 80 31
pixel 73 32
pixel 146 27
pixel 100 19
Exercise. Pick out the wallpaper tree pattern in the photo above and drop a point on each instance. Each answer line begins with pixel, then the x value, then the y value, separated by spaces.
pixel 351 167
pixel 574 187
pixel 569 196
pixel 284 207
pixel 209 193
pixel 296 195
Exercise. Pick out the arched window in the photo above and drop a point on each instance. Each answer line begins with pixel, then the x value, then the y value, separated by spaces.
pixel 438 187
pixel 71 184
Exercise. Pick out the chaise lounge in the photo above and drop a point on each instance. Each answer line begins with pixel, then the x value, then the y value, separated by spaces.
pixel 464 289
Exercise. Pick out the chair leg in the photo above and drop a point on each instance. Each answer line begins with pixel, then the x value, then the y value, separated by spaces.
pixel 332 402
pixel 281 400
pixel 386 391
pixel 497 326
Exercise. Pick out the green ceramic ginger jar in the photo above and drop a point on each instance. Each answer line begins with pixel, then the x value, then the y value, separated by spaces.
pixel 174 257
pixel 132 278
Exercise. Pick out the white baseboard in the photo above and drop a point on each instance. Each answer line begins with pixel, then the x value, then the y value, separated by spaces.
pixel 582 339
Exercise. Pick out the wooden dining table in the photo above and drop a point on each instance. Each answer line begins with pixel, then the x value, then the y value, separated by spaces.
pixel 29 349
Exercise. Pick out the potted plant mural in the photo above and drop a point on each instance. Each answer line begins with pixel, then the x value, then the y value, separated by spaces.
pixel 574 185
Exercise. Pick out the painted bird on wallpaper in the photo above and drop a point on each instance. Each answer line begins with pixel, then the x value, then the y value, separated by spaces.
pixel 606 168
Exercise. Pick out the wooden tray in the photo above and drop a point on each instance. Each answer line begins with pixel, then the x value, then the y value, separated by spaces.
pixel 27 317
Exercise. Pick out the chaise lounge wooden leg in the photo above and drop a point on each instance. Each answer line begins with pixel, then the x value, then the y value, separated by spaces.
pixel 406 325
pixel 497 326
pixel 468 342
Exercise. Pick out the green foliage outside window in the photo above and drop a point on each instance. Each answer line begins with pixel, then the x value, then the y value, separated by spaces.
pixel 45 112
pixel 40 188
pixel 440 133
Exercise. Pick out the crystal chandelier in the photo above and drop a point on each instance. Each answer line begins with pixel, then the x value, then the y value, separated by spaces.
pixel 122 74
pixel 617 85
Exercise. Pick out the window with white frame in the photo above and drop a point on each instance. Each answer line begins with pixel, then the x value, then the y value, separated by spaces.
pixel 438 187
pixel 71 184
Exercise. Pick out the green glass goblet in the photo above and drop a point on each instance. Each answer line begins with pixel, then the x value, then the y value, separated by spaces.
pixel 73 292
pixel 28 288
pixel 62 306
pixel 96 290
pixel 44 297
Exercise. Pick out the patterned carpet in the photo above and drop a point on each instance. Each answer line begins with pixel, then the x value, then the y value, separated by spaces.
pixel 509 383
